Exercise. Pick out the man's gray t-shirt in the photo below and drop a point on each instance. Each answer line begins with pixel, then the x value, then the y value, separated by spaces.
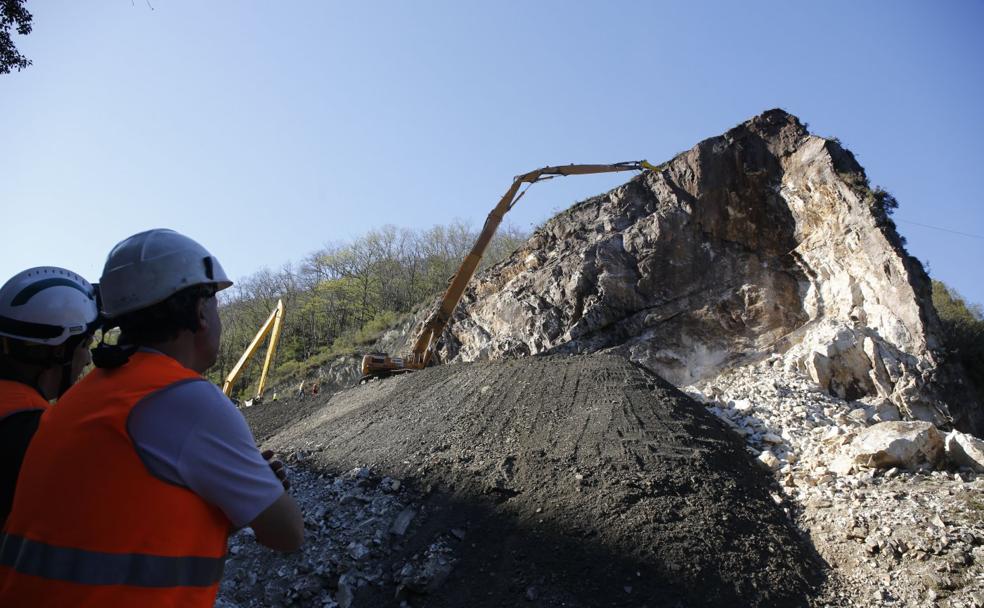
pixel 191 435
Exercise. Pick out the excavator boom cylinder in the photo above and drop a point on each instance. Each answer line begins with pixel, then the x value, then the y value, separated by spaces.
pixel 423 348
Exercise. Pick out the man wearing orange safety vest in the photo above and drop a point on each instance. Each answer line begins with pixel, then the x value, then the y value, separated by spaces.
pixel 47 317
pixel 134 480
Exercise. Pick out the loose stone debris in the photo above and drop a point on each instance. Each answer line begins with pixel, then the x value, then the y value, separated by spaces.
pixel 905 530
pixel 354 523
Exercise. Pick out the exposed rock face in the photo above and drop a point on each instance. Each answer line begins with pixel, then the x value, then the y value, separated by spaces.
pixel 764 240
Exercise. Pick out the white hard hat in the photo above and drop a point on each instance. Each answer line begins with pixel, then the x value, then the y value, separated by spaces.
pixel 151 266
pixel 46 305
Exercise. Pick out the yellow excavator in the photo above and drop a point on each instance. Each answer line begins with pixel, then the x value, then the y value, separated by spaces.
pixel 271 326
pixel 381 365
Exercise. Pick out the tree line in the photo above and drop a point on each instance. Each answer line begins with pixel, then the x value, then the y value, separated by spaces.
pixel 963 332
pixel 340 297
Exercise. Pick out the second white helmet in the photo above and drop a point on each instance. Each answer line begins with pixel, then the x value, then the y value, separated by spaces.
pixel 47 305
pixel 149 267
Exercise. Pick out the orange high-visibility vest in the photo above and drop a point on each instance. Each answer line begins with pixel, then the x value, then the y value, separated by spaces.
pixel 90 525
pixel 17 397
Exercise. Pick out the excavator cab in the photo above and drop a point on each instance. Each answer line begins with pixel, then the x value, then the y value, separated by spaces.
pixel 380 365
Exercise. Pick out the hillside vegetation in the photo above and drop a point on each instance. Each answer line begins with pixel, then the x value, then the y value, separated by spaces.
pixel 963 332
pixel 340 297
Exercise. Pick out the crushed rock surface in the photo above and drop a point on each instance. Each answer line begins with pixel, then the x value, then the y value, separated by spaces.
pixel 267 418
pixel 893 538
pixel 355 524
pixel 544 481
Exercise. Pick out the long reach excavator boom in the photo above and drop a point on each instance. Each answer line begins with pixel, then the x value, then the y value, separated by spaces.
pixel 378 365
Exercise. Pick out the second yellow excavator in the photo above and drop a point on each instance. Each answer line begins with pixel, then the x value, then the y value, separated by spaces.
pixel 380 365
pixel 271 326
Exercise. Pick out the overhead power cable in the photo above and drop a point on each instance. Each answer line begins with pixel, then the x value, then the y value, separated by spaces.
pixel 967 234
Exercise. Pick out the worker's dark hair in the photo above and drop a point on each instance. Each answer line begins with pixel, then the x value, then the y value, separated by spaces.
pixel 157 323
pixel 165 320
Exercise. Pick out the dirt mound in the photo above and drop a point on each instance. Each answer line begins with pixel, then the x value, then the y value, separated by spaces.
pixel 565 480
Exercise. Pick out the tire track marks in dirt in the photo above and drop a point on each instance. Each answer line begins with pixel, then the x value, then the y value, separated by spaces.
pixel 579 475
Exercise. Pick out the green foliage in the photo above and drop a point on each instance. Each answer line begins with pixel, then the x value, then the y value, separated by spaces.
pixel 342 297
pixel 953 308
pixel 963 332
pixel 370 332
pixel 13 15
pixel 881 202
pixel 884 200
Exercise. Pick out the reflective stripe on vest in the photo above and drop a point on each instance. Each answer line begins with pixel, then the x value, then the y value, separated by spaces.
pixel 95 568
pixel 95 528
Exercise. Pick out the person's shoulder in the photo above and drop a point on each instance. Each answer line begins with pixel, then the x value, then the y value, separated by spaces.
pixel 198 391
pixel 193 402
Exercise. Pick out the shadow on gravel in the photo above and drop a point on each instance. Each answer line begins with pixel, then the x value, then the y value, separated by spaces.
pixel 509 560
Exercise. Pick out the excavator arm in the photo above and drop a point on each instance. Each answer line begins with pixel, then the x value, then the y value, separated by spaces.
pixel 420 356
pixel 271 326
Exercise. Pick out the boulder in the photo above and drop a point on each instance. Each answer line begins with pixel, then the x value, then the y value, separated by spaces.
pixel 897 444
pixel 885 411
pixel 766 240
pixel 965 450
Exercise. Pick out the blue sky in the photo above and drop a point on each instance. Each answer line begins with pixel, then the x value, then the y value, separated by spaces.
pixel 265 130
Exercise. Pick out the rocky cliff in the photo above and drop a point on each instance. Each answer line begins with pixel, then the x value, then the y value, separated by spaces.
pixel 764 240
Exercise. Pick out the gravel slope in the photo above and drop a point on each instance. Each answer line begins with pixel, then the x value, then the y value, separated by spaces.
pixel 575 481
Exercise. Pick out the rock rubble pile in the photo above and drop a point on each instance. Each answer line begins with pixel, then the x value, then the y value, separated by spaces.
pixel 895 512
pixel 356 527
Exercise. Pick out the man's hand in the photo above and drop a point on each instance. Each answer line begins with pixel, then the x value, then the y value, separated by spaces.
pixel 277 467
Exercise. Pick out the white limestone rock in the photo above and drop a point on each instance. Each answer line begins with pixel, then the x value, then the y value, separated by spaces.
pixel 842 464
pixel 769 459
pixel 885 411
pixel 772 438
pixel 965 450
pixel 898 444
